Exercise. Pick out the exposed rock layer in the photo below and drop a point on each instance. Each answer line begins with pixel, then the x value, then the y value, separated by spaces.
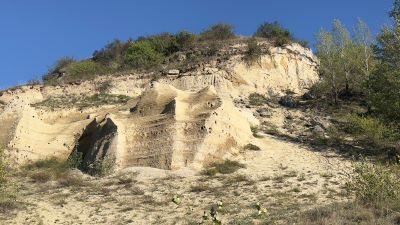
pixel 187 119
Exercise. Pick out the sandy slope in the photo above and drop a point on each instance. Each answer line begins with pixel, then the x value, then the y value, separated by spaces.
pixel 283 177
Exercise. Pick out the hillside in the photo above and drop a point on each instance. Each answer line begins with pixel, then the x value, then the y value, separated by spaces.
pixel 184 122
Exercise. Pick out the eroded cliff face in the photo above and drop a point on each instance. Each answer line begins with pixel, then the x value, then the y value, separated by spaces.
pixel 185 119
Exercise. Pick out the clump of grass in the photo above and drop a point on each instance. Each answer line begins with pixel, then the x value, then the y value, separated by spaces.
pixel 8 199
pixel 199 188
pixel 225 167
pixel 102 167
pixel 253 52
pixel 269 128
pixel 52 169
pixel 255 130
pixel 369 130
pixel 8 194
pixel 81 102
pixel 375 183
pixel 257 99
pixel 251 147
pixel 239 179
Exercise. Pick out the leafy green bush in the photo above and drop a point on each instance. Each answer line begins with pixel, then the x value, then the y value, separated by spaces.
pixel 101 167
pixel 8 193
pixel 61 64
pixel 112 54
pixel 185 40
pixel 75 159
pixel 74 71
pixel 143 55
pixel 79 69
pixel 3 166
pixel 368 129
pixel 383 86
pixel 257 99
pixel 253 52
pixel 57 70
pixel 79 101
pixel 164 43
pixel 275 32
pixel 375 183
pixel 53 169
pixel 218 32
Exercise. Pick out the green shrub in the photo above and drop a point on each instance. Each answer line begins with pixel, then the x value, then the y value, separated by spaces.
pixel 79 101
pixel 218 32
pixel 185 40
pixel 375 183
pixel 255 130
pixel 143 55
pixel 320 88
pixel 75 159
pixel 101 167
pixel 3 167
pixel 76 71
pixel 275 32
pixel 53 169
pixel 269 128
pixel 257 99
pixel 253 52
pixel 164 43
pixel 57 69
pixel 112 54
pixel 213 48
pixel 61 64
pixel 8 192
pixel 368 129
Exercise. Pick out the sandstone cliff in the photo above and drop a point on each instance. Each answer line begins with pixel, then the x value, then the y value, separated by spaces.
pixel 181 119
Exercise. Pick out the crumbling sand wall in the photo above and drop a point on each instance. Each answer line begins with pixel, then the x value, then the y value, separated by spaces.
pixel 187 119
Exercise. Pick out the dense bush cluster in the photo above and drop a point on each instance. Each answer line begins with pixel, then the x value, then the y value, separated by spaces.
pixel 153 52
pixel 369 130
pixel 218 32
pixel 275 32
pixel 253 52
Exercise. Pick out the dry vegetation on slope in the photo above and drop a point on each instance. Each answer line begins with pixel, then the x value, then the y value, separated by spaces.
pixel 227 136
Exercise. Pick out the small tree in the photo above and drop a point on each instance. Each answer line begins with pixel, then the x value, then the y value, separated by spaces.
pixel 345 60
pixel 384 83
pixel 275 32
pixel 112 54
pixel 328 55
pixel 142 55
pixel 218 32
pixel 185 40
pixel 57 69
pixel 253 52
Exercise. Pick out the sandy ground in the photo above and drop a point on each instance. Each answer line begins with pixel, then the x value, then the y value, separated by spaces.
pixel 283 177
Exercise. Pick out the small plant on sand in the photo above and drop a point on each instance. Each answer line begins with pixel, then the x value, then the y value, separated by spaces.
pixel 253 52
pixel 225 167
pixel 8 194
pixel 102 167
pixel 255 130
pixel 375 183
pixel 257 99
pixel 368 130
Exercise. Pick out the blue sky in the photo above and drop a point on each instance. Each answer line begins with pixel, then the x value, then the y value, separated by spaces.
pixel 34 34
